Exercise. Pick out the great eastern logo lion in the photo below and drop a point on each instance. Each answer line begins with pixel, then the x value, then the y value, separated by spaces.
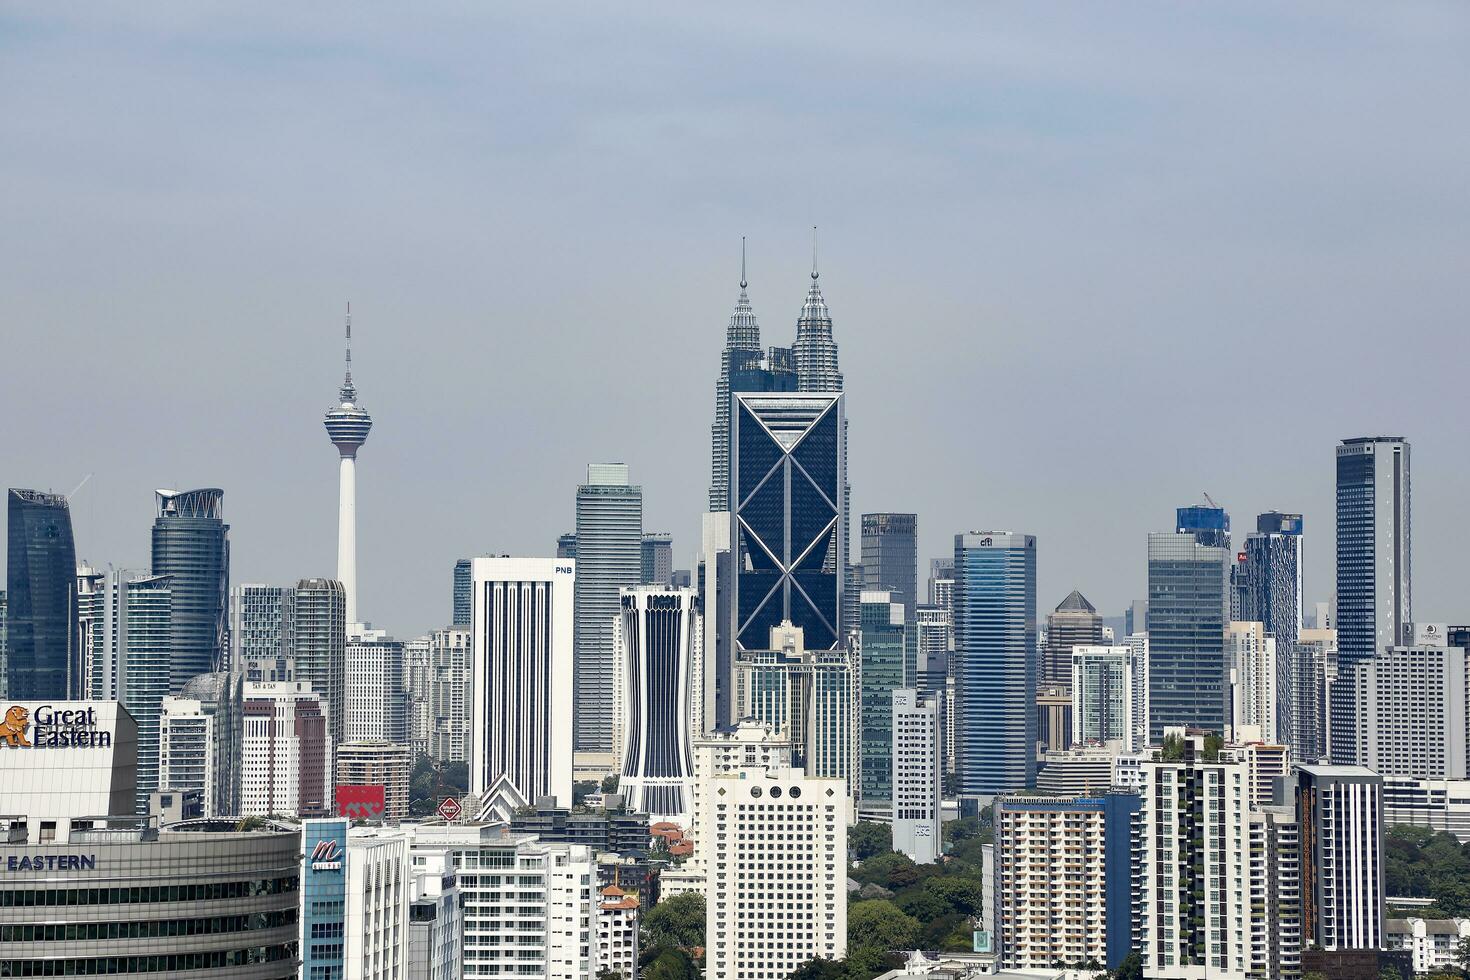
pixel 13 728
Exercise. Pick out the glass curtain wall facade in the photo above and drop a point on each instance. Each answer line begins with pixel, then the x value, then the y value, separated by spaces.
pixel 995 664
pixel 1073 623
pixel 890 557
pixel 40 585
pixel 1271 594
pixel 882 649
pixel 609 559
pixel 789 544
pixel 191 545
pixel 1187 608
pixel 320 616
pixel 1374 582
pixel 464 593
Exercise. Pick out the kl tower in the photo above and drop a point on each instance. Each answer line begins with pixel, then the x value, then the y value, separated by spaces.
pixel 348 426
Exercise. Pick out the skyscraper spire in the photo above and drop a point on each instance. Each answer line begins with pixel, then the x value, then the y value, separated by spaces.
pixel 742 347
pixel 815 353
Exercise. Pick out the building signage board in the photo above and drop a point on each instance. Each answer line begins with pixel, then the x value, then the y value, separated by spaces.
pixel 47 726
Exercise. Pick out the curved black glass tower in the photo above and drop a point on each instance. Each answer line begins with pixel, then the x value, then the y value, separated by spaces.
pixel 191 543
pixel 41 584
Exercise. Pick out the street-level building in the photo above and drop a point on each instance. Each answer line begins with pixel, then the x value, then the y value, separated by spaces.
pixel 530 906
pixel 190 901
pixel 1220 886
pixel 617 933
pixel 1063 879
pixel 66 761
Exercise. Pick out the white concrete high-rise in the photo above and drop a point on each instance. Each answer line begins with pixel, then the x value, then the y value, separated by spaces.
pixel 764 925
pixel 376 920
pixel 1255 691
pixel 1411 710
pixel 1224 895
pixel 530 906
pixel 286 760
pixel 348 426
pixel 1340 810
pixel 1110 695
pixel 521 716
pixel 375 704
pixel 916 775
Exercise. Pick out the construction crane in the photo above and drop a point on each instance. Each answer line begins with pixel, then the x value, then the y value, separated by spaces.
pixel 78 487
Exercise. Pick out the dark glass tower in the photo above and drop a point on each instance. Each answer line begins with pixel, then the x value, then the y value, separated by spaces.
pixel 1270 589
pixel 890 554
pixel 995 670
pixel 1073 623
pixel 786 526
pixel 1187 605
pixel 191 545
pixel 41 586
pixel 883 647
pixel 1374 583
pixel 464 592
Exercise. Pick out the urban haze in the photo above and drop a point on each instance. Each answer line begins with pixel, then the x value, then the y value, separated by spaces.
pixel 1084 263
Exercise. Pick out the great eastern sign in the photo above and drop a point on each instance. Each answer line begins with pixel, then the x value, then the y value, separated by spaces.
pixel 50 862
pixel 49 727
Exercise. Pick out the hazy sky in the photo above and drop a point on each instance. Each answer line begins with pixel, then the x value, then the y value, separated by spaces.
pixel 1084 262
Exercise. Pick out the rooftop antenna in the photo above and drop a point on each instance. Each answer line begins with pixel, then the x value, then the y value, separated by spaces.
pixel 814 251
pixel 349 341
pixel 742 262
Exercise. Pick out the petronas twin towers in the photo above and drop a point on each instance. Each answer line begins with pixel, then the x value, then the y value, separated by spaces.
pixel 809 364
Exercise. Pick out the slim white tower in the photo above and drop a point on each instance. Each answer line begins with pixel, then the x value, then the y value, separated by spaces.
pixel 348 426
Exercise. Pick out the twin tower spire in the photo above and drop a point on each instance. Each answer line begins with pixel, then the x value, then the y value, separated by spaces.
pixel 809 364
pixel 813 355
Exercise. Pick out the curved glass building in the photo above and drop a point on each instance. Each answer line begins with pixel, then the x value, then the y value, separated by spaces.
pixel 191 545
pixel 41 588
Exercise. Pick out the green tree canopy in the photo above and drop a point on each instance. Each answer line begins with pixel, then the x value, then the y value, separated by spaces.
pixel 676 923
pixel 670 964
pixel 880 924
pixel 866 840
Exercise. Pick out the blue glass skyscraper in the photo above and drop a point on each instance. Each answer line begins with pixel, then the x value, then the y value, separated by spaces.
pixel 1374 582
pixel 1270 589
pixel 786 520
pixel 995 670
pixel 191 545
pixel 41 586
pixel 1187 608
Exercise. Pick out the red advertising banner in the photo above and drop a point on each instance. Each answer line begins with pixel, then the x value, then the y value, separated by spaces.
pixel 360 802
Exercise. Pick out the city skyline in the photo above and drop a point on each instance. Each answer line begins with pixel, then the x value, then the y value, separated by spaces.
pixel 460 336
